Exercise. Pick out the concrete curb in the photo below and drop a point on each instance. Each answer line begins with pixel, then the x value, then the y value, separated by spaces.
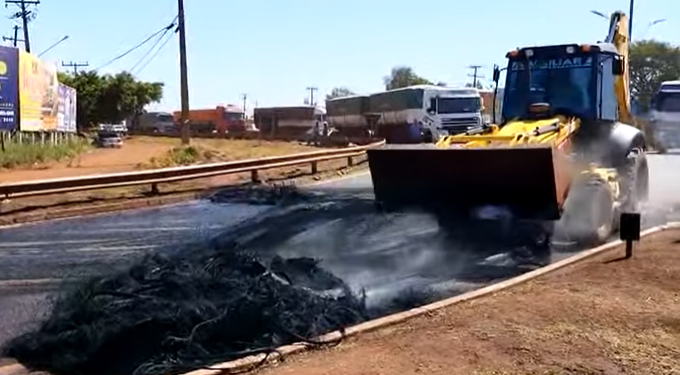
pixel 243 364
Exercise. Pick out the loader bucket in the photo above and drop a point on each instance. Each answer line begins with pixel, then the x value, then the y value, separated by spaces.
pixel 530 181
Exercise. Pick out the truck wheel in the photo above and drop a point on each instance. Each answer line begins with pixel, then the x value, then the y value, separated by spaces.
pixel 588 216
pixel 634 181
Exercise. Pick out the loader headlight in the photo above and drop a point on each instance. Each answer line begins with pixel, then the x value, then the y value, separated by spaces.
pixel 570 49
pixel 529 52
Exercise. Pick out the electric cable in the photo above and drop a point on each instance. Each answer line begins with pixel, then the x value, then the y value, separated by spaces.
pixel 155 54
pixel 164 29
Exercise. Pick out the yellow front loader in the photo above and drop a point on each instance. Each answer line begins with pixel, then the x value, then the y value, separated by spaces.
pixel 562 152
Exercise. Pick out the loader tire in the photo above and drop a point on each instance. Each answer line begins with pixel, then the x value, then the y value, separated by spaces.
pixel 588 217
pixel 634 181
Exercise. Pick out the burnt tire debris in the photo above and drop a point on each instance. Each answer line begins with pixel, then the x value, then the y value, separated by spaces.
pixel 168 315
pixel 231 297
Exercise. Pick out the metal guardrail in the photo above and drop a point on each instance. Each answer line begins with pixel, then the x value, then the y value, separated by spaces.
pixel 175 174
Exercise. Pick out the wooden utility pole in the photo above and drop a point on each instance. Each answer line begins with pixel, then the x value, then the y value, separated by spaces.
pixel 245 100
pixel 24 14
pixel 75 66
pixel 311 90
pixel 15 39
pixel 474 75
pixel 183 79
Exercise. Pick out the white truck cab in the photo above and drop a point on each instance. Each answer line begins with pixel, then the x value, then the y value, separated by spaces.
pixel 665 115
pixel 453 110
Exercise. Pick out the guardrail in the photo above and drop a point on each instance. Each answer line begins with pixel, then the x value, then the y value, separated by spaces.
pixel 175 174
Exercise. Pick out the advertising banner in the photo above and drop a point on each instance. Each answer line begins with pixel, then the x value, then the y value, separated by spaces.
pixel 38 94
pixel 9 82
pixel 66 117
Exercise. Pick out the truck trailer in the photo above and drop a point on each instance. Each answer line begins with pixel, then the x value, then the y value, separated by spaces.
pixel 294 122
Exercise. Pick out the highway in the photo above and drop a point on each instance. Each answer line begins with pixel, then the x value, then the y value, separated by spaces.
pixel 395 256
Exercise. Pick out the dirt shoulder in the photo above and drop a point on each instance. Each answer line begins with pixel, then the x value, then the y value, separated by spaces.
pixel 138 152
pixel 597 317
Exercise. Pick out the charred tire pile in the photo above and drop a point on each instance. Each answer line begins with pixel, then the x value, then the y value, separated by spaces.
pixel 171 315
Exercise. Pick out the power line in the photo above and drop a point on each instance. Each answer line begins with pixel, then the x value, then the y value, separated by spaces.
pixel 75 66
pixel 148 52
pixel 170 26
pixel 25 16
pixel 169 38
pixel 152 47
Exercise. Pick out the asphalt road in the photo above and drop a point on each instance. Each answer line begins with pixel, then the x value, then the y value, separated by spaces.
pixel 391 256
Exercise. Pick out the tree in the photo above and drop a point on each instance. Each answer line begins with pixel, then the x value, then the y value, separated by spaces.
pixel 404 76
pixel 651 62
pixel 339 92
pixel 110 98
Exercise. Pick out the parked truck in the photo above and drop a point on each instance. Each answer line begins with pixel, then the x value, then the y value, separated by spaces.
pixel 397 115
pixel 154 122
pixel 294 122
pixel 223 119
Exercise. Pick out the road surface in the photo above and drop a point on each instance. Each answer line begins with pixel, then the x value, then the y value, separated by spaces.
pixel 394 257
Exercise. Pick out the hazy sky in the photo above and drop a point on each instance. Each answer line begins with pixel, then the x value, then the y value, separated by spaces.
pixel 272 50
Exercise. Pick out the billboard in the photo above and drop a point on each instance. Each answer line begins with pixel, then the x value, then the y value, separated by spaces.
pixel 66 115
pixel 9 81
pixel 38 94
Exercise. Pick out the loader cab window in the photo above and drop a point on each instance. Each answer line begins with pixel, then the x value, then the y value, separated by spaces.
pixel 607 104
pixel 565 83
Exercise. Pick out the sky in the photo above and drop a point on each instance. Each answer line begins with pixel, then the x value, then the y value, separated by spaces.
pixel 272 50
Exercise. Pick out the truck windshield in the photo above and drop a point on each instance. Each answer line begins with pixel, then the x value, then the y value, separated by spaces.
pixel 458 105
pixel 668 102
pixel 563 83
pixel 233 116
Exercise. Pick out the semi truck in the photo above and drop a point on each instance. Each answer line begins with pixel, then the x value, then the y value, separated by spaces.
pixel 408 115
pixel 665 116
pixel 222 119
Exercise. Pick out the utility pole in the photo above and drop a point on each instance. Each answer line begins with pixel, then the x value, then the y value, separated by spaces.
pixel 15 39
pixel 245 98
pixel 75 66
pixel 24 14
pixel 183 79
pixel 474 75
pixel 311 90
pixel 630 21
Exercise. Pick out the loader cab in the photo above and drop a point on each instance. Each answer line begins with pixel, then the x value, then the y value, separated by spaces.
pixel 572 79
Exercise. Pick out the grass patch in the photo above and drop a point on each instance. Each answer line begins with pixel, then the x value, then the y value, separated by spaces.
pixel 184 155
pixel 18 154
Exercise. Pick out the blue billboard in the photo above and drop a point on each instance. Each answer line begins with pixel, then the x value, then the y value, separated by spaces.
pixel 9 85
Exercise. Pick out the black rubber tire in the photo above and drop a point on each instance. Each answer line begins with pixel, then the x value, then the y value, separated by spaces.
pixel 634 181
pixel 588 216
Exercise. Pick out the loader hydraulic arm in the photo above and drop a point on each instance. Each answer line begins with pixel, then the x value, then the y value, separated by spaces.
pixel 618 36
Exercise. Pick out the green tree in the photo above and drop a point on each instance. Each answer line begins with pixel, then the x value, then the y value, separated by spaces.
pixel 651 62
pixel 339 92
pixel 110 98
pixel 404 76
